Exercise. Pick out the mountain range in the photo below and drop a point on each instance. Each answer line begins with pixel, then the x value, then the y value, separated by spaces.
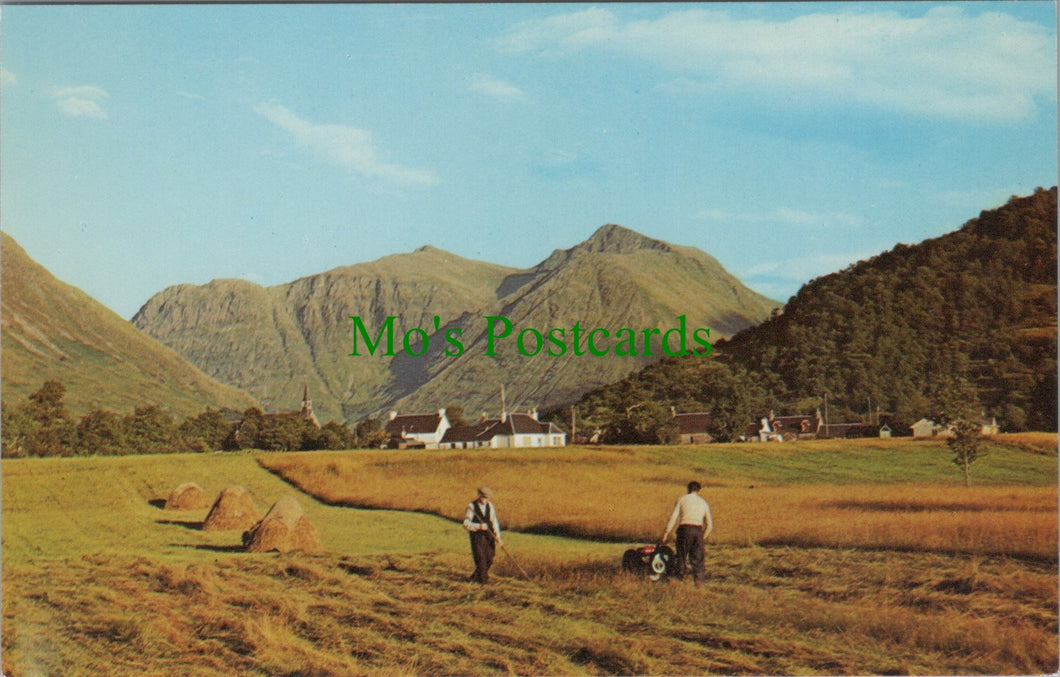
pixel 271 341
pixel 54 331
pixel 977 305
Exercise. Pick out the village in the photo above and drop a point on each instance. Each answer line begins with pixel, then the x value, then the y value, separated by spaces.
pixel 435 431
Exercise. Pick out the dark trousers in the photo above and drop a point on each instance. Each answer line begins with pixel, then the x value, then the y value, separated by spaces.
pixel 482 550
pixel 690 547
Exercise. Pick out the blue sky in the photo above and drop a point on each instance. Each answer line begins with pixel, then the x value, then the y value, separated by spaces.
pixel 145 146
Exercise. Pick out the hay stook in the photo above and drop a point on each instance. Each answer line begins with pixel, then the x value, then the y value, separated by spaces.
pixel 284 528
pixel 187 496
pixel 233 509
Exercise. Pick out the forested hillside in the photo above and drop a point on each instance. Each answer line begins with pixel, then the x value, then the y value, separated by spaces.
pixel 971 312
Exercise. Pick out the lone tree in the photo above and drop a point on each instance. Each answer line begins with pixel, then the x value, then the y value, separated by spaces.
pixel 955 407
pixel 966 445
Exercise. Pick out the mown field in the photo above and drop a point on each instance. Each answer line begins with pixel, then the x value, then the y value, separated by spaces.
pixel 828 558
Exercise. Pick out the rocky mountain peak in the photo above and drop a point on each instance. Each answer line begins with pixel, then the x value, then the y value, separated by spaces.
pixel 614 239
pixel 608 239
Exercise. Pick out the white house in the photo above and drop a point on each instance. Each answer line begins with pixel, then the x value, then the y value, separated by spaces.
pixel 928 428
pixel 510 430
pixel 416 430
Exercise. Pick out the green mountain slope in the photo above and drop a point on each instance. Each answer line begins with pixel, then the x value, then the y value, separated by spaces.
pixel 53 331
pixel 269 341
pixel 977 305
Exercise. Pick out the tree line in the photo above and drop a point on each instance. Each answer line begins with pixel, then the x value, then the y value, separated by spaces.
pixel 42 426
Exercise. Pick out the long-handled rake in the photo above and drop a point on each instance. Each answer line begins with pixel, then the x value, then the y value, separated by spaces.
pixel 512 558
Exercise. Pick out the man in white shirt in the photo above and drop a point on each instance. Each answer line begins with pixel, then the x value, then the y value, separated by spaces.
pixel 692 518
pixel 480 520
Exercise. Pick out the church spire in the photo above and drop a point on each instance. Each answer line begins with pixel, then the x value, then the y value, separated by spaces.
pixel 307 407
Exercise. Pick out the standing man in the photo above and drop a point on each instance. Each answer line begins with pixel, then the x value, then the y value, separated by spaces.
pixel 692 518
pixel 480 520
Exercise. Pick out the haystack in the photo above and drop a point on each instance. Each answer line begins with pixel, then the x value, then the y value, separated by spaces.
pixel 232 510
pixel 188 496
pixel 284 528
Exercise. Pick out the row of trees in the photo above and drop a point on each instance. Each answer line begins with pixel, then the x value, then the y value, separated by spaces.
pixel 42 426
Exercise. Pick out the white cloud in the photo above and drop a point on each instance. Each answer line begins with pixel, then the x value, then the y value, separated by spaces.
pixel 497 89
pixel 562 33
pixel 190 95
pixel 84 101
pixel 344 145
pixel 944 64
pixel 784 216
pixel 7 78
pixel 781 278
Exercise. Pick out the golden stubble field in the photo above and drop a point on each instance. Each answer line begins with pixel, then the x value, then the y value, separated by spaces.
pixel 827 559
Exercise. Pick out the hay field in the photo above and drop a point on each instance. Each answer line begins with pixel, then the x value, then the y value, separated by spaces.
pixel 98 579
pixel 885 494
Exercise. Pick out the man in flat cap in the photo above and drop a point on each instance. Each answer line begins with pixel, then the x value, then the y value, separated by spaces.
pixel 480 520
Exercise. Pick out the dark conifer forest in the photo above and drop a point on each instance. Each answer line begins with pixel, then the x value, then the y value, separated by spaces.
pixel 970 315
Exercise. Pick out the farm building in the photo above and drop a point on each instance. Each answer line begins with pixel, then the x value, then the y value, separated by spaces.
pixel 774 428
pixel 927 428
pixel 416 431
pixel 510 430
pixel 692 427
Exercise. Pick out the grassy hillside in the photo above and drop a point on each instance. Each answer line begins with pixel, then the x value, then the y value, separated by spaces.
pixel 99 579
pixel 53 331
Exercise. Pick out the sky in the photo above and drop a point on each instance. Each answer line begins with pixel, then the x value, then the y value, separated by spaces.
pixel 144 146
